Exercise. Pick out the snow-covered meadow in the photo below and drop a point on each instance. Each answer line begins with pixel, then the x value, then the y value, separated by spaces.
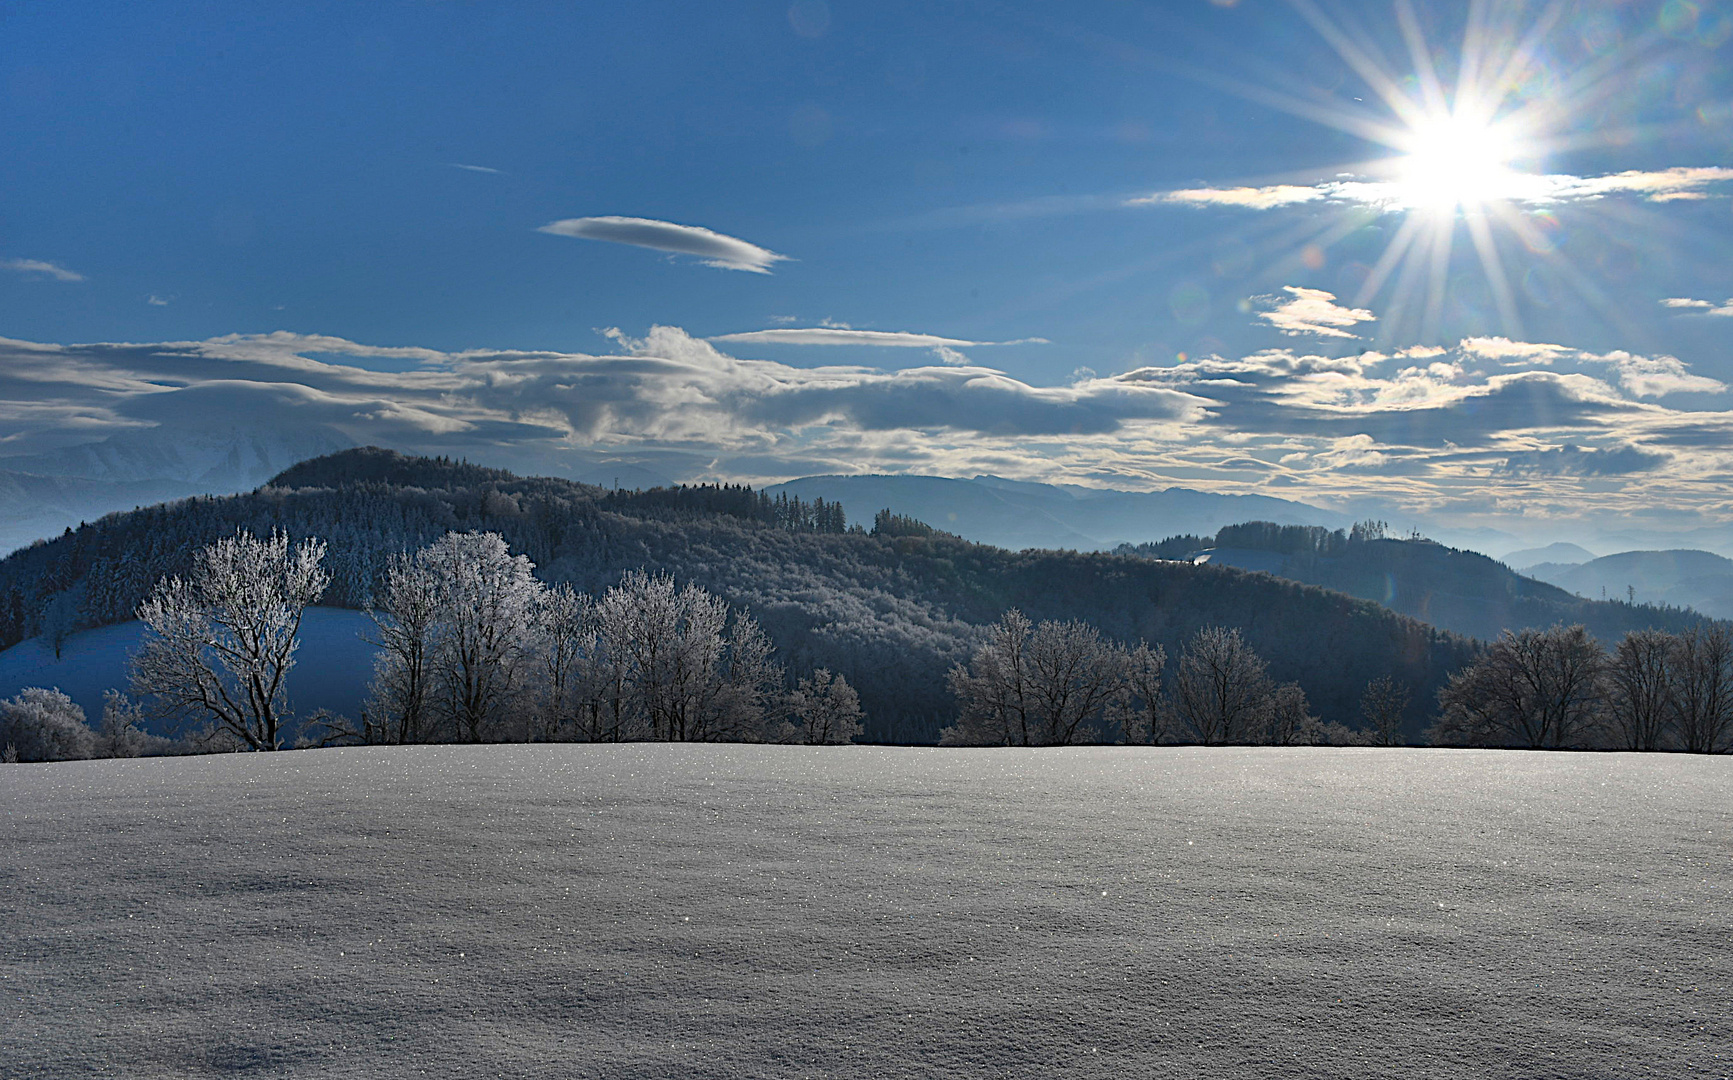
pixel 775 911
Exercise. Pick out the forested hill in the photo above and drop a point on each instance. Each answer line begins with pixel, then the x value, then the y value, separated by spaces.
pixel 1461 591
pixel 891 610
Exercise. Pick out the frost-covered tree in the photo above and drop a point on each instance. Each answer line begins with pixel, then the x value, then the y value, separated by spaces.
pixel 1288 718
pixel 676 667
pixel 485 631
pixel 222 640
pixel 1046 685
pixel 406 614
pixel 1146 713
pixel 565 641
pixel 1536 688
pixel 122 733
pixel 44 725
pixel 826 709
pixel 1701 691
pixel 1220 692
pixel 1640 685
pixel 1382 706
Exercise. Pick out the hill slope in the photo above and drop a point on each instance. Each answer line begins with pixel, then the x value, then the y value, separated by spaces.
pixel 1461 591
pixel 891 613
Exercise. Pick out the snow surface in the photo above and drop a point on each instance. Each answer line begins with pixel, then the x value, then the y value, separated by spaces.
pixel 332 666
pixel 745 911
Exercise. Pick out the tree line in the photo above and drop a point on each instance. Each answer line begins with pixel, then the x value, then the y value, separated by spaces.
pixel 473 647
pixel 894 606
pixel 1656 690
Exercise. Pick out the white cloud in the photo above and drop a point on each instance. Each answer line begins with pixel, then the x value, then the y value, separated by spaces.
pixel 1502 348
pixel 712 248
pixel 950 356
pixel 826 335
pixel 37 266
pixel 1251 198
pixel 1456 429
pixel 158 301
pixel 1656 376
pixel 1534 189
pixel 1312 311
pixel 476 168
pixel 1701 307
pixel 1657 186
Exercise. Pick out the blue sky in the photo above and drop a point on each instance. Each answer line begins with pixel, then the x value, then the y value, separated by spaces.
pixel 1126 244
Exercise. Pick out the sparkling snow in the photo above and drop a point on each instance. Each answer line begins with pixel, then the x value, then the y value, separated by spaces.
pixel 741 911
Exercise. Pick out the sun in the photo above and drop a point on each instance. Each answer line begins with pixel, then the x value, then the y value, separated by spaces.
pixel 1458 162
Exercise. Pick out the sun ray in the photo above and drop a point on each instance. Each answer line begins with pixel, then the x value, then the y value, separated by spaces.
pixel 1443 242
pixel 1484 244
pixel 1388 261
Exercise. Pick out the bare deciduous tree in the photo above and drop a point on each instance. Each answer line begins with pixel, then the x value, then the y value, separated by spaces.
pixel 1047 685
pixel 993 689
pixel 1536 688
pixel 1382 705
pixel 1290 721
pixel 1221 690
pixel 1701 694
pixel 1640 684
pixel 1146 710
pixel 223 639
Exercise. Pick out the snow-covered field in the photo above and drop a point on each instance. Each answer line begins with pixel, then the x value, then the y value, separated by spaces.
pixel 735 911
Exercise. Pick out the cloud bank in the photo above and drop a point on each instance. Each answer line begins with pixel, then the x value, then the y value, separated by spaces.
pixel 1483 426
pixel 711 248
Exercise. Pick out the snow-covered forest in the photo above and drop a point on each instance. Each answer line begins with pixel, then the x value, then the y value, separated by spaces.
pixel 473 646
pixel 892 609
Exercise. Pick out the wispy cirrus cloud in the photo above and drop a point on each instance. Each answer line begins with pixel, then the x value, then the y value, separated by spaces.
pixel 711 248
pixel 1535 189
pixel 825 335
pixel 839 334
pixel 38 266
pixel 477 168
pixel 1311 311
pixel 1251 198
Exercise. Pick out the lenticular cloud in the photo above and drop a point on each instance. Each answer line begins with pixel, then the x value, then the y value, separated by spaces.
pixel 713 248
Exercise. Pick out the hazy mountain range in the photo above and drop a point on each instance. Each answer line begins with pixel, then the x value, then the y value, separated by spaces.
pixel 1680 578
pixel 42 494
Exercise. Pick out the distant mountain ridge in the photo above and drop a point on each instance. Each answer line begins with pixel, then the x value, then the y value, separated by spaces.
pixel 1461 591
pixel 1017 515
pixel 34 507
pixel 1559 554
pixel 42 494
pixel 1683 578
